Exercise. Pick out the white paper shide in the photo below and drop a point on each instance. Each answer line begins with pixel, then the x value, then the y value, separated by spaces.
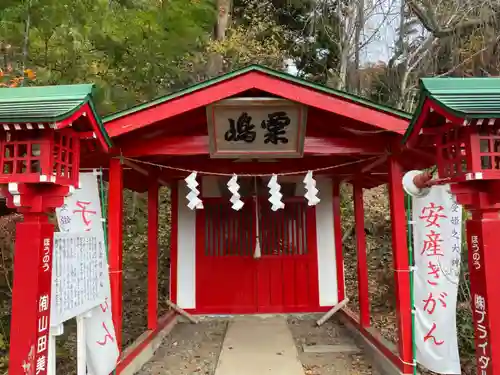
pixel 437 238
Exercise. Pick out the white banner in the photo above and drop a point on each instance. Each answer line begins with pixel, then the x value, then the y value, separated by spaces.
pixel 82 212
pixel 437 242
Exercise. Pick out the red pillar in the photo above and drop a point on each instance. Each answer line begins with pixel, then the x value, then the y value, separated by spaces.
pixel 401 264
pixel 484 257
pixel 115 239
pixel 31 293
pixel 359 215
pixel 153 199
pixel 29 335
pixel 337 230
pixel 483 201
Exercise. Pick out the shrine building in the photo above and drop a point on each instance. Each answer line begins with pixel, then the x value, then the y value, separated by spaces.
pixel 254 160
pixel 253 123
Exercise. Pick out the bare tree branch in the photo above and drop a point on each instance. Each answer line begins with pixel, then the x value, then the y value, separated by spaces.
pixel 432 26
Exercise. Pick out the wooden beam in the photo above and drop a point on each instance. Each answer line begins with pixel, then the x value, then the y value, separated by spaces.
pixel 115 239
pixel 333 164
pixel 401 262
pixel 199 145
pixel 142 170
pixel 256 80
pixel 182 312
pixel 332 311
pixel 141 351
pixel 366 168
pixel 362 264
pixel 153 206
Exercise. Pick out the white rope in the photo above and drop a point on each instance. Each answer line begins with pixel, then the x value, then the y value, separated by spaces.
pixel 208 173
pixel 414 363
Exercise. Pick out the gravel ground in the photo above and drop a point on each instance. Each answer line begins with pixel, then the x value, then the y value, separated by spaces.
pixel 305 331
pixel 193 349
pixel 190 349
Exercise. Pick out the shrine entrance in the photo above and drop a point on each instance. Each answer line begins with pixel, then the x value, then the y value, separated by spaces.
pixel 270 241
pixel 257 260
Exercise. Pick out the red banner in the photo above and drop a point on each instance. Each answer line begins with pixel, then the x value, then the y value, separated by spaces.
pixel 480 305
pixel 31 298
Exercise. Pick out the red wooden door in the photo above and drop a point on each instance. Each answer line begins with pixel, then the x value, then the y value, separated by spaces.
pixel 225 278
pixel 287 272
pixel 230 280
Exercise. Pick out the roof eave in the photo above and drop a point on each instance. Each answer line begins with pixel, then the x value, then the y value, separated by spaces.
pixel 265 71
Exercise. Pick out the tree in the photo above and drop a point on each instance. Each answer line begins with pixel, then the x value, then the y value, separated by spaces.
pixel 130 49
pixel 440 38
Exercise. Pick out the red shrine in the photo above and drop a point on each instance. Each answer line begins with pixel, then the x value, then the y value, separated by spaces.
pixel 214 269
pixel 255 123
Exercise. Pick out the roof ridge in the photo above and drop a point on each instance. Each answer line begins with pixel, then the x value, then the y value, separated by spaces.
pixel 262 69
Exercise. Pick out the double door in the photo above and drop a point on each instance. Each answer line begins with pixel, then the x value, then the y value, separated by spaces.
pixel 256 260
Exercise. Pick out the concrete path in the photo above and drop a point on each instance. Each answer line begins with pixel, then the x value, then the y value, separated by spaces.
pixel 259 346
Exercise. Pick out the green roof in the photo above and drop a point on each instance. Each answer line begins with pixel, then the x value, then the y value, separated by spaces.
pixel 463 97
pixel 46 103
pixel 271 72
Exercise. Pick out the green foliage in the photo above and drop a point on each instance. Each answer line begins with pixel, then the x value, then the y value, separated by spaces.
pixel 253 38
pixel 129 49
pixel 309 32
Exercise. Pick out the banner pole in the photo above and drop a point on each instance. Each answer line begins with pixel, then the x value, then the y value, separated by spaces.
pixel 104 205
pixel 412 265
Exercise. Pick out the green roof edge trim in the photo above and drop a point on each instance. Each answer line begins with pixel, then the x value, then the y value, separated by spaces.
pixel 85 99
pixel 261 69
pixel 416 115
pixel 100 123
pixel 429 94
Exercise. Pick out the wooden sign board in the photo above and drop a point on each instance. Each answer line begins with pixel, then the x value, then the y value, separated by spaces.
pixel 256 128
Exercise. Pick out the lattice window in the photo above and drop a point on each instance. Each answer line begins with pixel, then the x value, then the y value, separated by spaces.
pixel 232 233
pixel 63 156
pixel 453 153
pixel 284 232
pixel 39 155
pixel 489 147
pixel 228 232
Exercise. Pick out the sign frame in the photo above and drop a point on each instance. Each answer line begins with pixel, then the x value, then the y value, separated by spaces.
pixel 246 104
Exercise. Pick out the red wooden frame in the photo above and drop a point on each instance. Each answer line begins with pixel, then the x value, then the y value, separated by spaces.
pixel 362 264
pixel 115 240
pixel 189 150
pixel 199 145
pixel 375 341
pixel 259 81
pixel 312 286
pixel 401 261
pixel 333 165
pixel 84 111
pixel 153 207
pixel 168 319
